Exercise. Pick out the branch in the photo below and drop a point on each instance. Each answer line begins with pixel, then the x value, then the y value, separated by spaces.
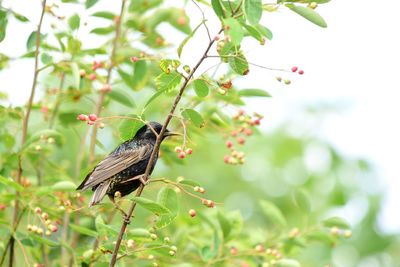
pixel 25 131
pixel 156 150
pixel 100 101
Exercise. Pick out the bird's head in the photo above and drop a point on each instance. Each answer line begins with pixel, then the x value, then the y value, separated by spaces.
pixel 148 131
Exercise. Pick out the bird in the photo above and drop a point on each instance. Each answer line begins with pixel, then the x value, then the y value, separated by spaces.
pixel 123 169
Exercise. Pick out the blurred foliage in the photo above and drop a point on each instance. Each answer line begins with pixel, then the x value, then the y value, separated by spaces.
pixel 243 198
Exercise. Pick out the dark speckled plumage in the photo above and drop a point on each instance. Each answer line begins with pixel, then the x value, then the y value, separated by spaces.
pixel 119 171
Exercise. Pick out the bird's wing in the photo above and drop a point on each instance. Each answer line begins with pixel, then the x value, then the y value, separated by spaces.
pixel 114 164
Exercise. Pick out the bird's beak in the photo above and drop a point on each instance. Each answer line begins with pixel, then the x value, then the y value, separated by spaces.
pixel 171 134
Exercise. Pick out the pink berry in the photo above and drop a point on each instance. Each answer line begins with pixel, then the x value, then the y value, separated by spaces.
pixel 226 158
pixel 234 250
pixel 38 210
pixel 192 213
pixel 234 133
pixel 53 228
pixel 256 122
pixel 82 117
pixel 90 122
pixel 178 149
pixel 240 140
pixel 229 144
pixel 248 131
pixel 134 59
pixel 294 69
pixel 216 37
pixel 189 151
pixel 182 155
pixel 92 77
pixel 44 109
pixel 181 21
pixel 259 248
pixel 92 117
pixel 301 72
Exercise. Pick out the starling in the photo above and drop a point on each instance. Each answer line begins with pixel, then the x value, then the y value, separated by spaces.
pixel 122 170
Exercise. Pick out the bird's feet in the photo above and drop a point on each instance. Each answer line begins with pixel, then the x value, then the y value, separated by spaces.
pixel 127 219
pixel 143 181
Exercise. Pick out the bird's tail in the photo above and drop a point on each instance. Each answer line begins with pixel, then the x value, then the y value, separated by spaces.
pixel 99 193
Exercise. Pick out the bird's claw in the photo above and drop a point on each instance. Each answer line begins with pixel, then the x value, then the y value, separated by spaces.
pixel 127 220
pixel 143 181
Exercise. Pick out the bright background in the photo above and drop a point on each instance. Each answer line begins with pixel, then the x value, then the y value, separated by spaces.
pixel 352 67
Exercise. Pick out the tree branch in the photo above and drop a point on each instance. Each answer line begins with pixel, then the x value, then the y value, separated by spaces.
pixel 156 150
pixel 25 131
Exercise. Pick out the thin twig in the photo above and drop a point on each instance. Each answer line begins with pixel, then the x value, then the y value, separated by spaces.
pixel 25 129
pixel 204 20
pixel 156 150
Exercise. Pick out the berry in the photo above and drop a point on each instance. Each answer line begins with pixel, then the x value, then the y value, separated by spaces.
pixel 39 231
pixel 196 188
pixel 294 69
pixel 186 68
pixel 82 73
pixel 166 239
pixel 279 79
pixel 172 253
pixel 38 210
pixel 150 257
pixel 259 248
pixel 182 155
pixel 335 230
pixel 234 250
pixel 189 151
pixel 45 216
pixel 92 117
pixel 44 109
pixel 173 248
pixel 48 233
pixel 90 122
pixel 130 243
pixel 287 82
pixel 153 236
pixel 240 140
pixel 313 5
pixel 82 117
pixel 234 133
pixel 53 228
pixel 226 158
pixel 134 59
pixel 117 194
pixel 256 122
pixel 347 234
pixel 178 149
pixel 181 21
pixel 229 144
pixel 101 125
pixel 192 213
pixel 202 190
pixel 248 132
pixel 301 72
pixel 216 37
pixel 92 77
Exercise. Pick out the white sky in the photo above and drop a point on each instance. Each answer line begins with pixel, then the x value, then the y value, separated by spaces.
pixel 354 61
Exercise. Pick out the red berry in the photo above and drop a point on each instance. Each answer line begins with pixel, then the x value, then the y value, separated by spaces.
pixel 294 69
pixel 226 158
pixel 301 72
pixel 234 133
pixel 90 122
pixel 256 122
pixel 92 77
pixel 229 144
pixel 189 151
pixel 240 140
pixel 134 59
pixel 234 250
pixel 53 228
pixel 181 21
pixel 248 131
pixel 82 117
pixel 44 109
pixel 182 155
pixel 92 117
pixel 192 213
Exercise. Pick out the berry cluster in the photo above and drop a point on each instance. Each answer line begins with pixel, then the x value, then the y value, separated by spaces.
pixel 44 217
pixel 244 123
pixel 294 70
pixel 224 86
pixel 181 153
pixel 336 231
pixel 91 119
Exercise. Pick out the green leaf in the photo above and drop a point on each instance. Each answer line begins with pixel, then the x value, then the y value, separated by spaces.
pixel 319 236
pixel 239 64
pixel 168 198
pixel 302 200
pixel 140 75
pixel 253 32
pixel 74 22
pixel 3 24
pixel 102 31
pixel 83 230
pixel 308 14
pixel 253 92
pixel 194 116
pixel 217 7
pixel 104 15
pixel 138 232
pixel 224 224
pixel 288 263
pixel 44 241
pixel 129 127
pixel 168 65
pixel 273 215
pixel 76 77
pixel 201 87
pixel 46 58
pixel 151 205
pixel 234 30
pixel 103 228
pixel 153 97
pixel 336 221
pixel 252 10
pixel 19 17
pixel 168 82
pixel 64 186
pixel 90 3
pixel 10 182
pixel 180 48
pixel 121 97
pixel 189 182
pixel 31 42
pixel 264 31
